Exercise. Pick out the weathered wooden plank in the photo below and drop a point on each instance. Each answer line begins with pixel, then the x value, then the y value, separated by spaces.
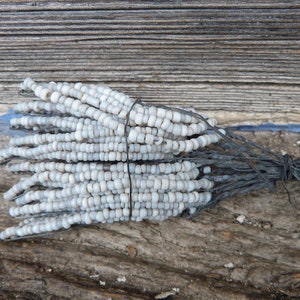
pixel 119 4
pixel 212 256
pixel 222 58
pixel 159 46
pixel 228 103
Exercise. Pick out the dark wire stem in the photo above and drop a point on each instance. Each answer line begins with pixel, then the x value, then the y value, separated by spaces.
pixel 234 175
pixel 127 155
pixel 26 93
pixel 238 166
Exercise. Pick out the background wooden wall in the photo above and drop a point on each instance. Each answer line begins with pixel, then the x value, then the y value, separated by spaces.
pixel 231 56
pixel 236 60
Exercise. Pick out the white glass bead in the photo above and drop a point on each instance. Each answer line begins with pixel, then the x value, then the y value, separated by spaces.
pixel 48 226
pixel 38 90
pixel 35 229
pixel 77 218
pixel 65 224
pixel 158 122
pixel 99 217
pixel 176 129
pixel 165 124
pixel 86 218
pixel 70 220
pixel 126 212
pixel 106 214
pixel 55 97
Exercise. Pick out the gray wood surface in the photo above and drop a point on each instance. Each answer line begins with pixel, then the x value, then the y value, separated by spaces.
pixel 236 60
pixel 221 56
pixel 212 256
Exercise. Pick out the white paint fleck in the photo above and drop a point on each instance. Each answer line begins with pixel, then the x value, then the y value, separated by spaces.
pixel 241 219
pixel 103 283
pixel 121 279
pixel 229 265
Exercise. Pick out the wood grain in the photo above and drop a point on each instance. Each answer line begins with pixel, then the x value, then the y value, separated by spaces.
pixel 189 256
pixel 217 56
pixel 236 60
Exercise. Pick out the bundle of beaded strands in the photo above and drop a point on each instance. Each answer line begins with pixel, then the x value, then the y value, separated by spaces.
pixel 97 155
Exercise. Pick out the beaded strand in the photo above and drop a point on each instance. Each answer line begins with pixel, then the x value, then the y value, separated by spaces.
pixel 80 171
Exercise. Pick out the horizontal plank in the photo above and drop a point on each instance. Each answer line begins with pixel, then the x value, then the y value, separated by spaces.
pixel 222 23
pixel 185 45
pixel 119 4
pixel 228 103
pixel 238 60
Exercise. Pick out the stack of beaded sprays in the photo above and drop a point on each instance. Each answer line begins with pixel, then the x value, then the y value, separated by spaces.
pixel 97 155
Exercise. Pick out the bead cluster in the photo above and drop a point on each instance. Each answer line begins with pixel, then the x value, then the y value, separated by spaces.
pixel 78 156
pixel 99 195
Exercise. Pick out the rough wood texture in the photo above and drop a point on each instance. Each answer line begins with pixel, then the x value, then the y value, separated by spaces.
pixel 237 60
pixel 210 257
pixel 222 56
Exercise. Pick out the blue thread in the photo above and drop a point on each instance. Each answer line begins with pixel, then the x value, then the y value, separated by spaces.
pixel 5 124
pixel 267 127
